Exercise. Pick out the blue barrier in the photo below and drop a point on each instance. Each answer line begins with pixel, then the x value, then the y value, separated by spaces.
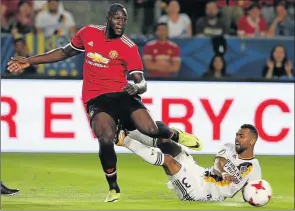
pixel 245 57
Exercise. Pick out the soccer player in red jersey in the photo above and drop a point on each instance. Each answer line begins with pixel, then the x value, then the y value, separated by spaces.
pixel 108 97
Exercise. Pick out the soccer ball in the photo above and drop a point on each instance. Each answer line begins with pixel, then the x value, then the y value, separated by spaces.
pixel 257 193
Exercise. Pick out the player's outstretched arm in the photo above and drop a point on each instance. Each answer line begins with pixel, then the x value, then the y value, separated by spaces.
pixel 139 86
pixel 218 169
pixel 17 64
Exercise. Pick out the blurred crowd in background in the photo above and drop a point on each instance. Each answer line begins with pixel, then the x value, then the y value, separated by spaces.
pixel 159 23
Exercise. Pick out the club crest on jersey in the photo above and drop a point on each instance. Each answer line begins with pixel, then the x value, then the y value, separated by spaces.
pixel 113 54
pixel 243 169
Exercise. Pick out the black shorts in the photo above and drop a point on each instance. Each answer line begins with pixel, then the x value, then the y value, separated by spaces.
pixel 118 105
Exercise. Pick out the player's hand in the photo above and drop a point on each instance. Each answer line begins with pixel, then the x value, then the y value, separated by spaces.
pixel 17 64
pixel 228 177
pixel 131 89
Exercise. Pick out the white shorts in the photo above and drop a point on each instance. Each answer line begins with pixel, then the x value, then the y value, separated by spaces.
pixel 188 182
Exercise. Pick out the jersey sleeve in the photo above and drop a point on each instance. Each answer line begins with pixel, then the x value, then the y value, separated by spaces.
pixel 226 151
pixel 77 41
pixel 133 61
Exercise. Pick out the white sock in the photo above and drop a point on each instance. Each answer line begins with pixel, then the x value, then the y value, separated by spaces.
pixel 144 139
pixel 149 154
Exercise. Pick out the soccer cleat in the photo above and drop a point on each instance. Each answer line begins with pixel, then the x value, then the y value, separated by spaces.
pixel 119 141
pixel 113 196
pixel 188 140
pixel 5 191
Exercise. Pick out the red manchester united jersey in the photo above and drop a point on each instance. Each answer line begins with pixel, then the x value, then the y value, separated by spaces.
pixel 165 51
pixel 106 61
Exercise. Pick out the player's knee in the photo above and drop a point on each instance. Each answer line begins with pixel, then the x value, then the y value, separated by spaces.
pixel 106 142
pixel 104 133
pixel 152 130
pixel 105 136
pixel 161 141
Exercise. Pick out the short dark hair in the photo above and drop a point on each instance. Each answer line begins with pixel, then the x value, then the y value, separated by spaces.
pixel 159 24
pixel 252 128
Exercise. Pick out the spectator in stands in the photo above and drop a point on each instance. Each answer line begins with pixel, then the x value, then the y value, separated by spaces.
pixel 40 5
pixel 12 7
pixel 161 57
pixel 4 21
pixel 217 68
pixel 211 24
pixel 179 24
pixel 231 13
pixel 278 65
pixel 267 10
pixel 54 21
pixel 252 25
pixel 282 25
pixel 23 22
pixel 20 49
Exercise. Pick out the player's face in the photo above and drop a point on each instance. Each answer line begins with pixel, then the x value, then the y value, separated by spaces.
pixel 162 32
pixel 242 141
pixel 118 22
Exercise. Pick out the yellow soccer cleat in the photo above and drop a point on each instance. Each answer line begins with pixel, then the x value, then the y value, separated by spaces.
pixel 188 140
pixel 113 196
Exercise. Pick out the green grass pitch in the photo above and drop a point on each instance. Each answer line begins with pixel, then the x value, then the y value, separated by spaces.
pixel 76 181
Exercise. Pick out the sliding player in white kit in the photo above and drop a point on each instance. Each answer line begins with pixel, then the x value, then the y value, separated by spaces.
pixel 233 167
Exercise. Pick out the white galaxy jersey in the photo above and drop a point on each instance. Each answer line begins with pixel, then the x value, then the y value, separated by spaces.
pixel 243 171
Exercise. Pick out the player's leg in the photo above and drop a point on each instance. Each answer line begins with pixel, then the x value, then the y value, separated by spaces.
pixel 186 185
pixel 143 121
pixel 185 139
pixel 104 128
pixel 8 191
pixel 166 145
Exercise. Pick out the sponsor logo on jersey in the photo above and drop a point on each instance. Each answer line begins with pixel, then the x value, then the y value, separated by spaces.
pixel 98 58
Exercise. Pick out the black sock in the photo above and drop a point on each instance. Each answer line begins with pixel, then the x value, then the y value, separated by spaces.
pixel 108 159
pixel 164 130
pixel 175 136
pixel 170 148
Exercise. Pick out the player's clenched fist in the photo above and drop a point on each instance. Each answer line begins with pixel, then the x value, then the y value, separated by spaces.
pixel 131 89
pixel 17 64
